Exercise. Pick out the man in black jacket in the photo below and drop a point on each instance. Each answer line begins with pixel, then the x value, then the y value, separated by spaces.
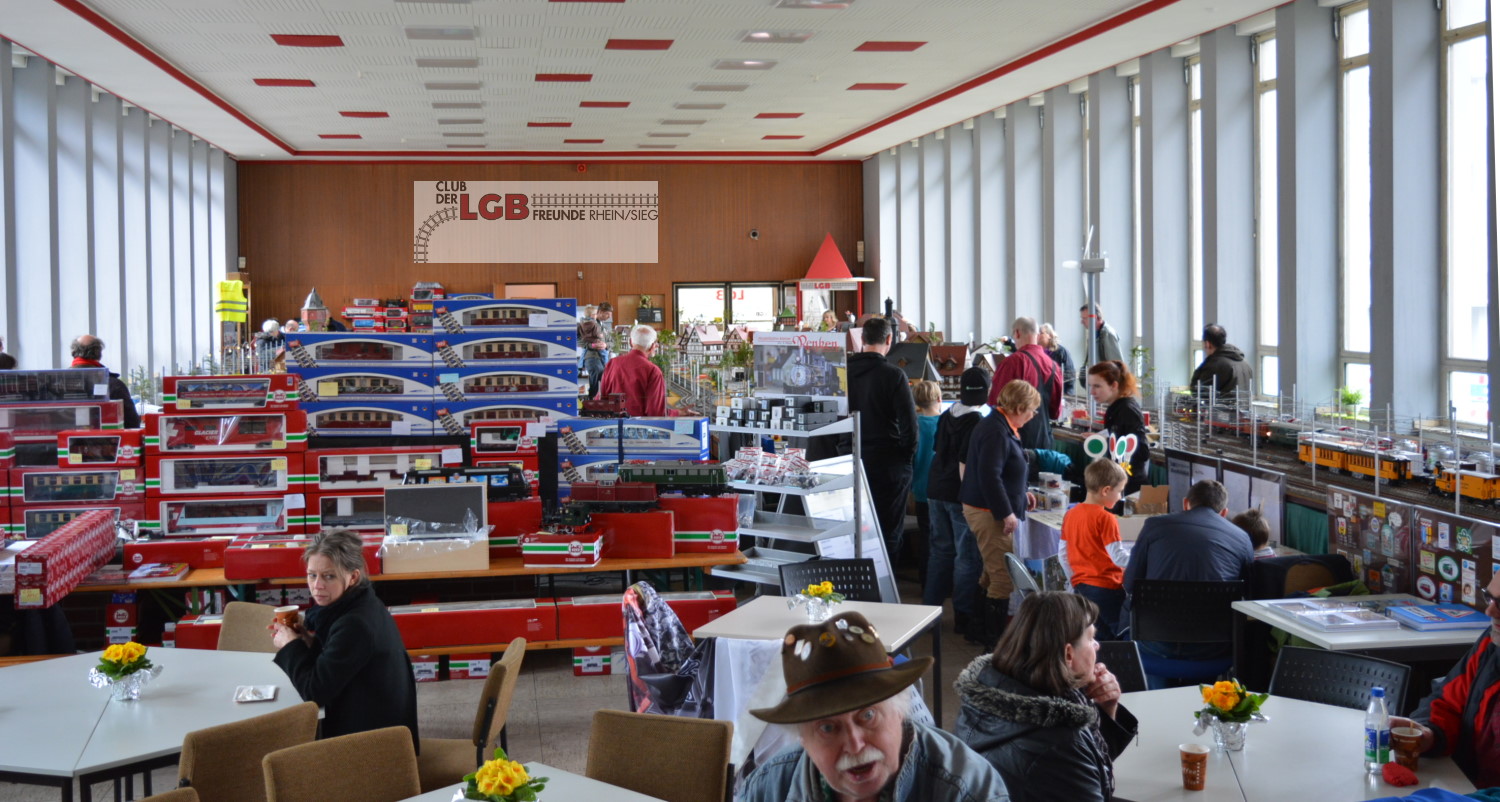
pixel 888 429
pixel 1224 366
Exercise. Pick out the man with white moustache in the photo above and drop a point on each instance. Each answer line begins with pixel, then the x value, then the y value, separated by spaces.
pixel 850 705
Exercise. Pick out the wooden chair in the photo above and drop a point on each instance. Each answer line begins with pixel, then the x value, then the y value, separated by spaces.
pixel 445 761
pixel 374 766
pixel 688 760
pixel 244 627
pixel 223 763
pixel 175 795
pixel 1337 678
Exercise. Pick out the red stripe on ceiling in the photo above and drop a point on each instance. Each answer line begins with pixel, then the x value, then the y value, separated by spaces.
pixel 782 136
pixel 604 104
pixel 340 136
pixel 549 125
pixel 565 77
pixel 302 82
pixel 365 115
pixel 874 87
pixel 888 47
pixel 94 18
pixel 1123 18
pixel 778 115
pixel 638 44
pixel 583 141
pixel 306 40
pixel 748 156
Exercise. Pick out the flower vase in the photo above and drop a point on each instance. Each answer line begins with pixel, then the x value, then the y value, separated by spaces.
pixel 126 688
pixel 819 610
pixel 1229 736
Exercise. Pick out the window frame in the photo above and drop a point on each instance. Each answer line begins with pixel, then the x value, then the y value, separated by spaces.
pixel 1259 89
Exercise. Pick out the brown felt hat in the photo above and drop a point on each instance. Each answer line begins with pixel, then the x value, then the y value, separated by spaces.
pixel 835 667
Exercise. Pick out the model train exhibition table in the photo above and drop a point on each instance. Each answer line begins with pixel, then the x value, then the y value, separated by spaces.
pixel 57 728
pixel 1306 750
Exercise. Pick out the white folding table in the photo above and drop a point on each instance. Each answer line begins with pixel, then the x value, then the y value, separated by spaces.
pixel 560 785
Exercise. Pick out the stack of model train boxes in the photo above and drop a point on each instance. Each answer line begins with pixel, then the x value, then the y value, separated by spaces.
pixel 588 449
pixel 498 443
pixel 51 569
pixel 35 406
pixel 347 485
pixel 363 383
pixel 224 459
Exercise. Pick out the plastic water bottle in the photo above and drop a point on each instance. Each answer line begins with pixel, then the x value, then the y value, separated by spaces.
pixel 1377 731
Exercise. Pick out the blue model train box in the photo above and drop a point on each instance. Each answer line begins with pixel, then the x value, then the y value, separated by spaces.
pixel 365 383
pixel 683 438
pixel 312 349
pixel 455 417
pixel 455 316
pixel 491 382
pixel 505 347
pixel 369 418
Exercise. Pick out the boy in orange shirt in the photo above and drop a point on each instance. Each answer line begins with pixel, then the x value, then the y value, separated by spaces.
pixel 1091 546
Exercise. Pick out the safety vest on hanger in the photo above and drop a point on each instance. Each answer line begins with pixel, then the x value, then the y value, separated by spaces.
pixel 231 306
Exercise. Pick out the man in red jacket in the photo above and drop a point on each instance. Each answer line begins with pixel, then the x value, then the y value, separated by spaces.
pixel 1462 717
pixel 637 377
pixel 1032 364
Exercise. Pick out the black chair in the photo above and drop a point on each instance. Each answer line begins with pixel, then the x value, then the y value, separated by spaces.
pixel 853 578
pixel 1184 612
pixel 1020 576
pixel 1337 678
pixel 1123 659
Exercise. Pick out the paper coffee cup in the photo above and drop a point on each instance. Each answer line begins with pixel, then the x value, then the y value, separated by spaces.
pixel 288 615
pixel 1406 746
pixel 1194 765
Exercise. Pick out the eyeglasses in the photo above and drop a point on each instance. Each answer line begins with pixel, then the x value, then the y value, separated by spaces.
pixel 1489 598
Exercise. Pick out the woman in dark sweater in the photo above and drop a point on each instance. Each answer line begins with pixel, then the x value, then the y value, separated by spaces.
pixel 1112 386
pixel 1042 710
pixel 953 561
pixel 348 657
pixel 994 495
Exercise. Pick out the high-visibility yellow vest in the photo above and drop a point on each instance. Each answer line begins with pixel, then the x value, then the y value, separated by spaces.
pixel 231 306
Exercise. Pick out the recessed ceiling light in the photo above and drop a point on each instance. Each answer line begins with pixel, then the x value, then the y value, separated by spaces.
pixel 464 105
pixel 564 77
pixel 778 115
pixel 463 133
pixel 831 5
pixel 888 47
pixel 458 34
pixel 720 87
pixel 448 63
pixel 452 86
pixel 683 122
pixel 663 135
pixel 367 115
pixel 604 104
pixel 638 44
pixel 698 106
pixel 306 40
pixel 743 64
pixel 450 121
pixel 777 37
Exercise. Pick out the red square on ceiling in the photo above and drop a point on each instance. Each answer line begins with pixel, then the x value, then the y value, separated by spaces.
pixel 565 77
pixel 778 115
pixel 888 47
pixel 638 44
pixel 365 115
pixel 300 40
pixel 583 141
pixel 283 82
pixel 875 87
pixel 549 125
pixel 604 104
pixel 782 136
pixel 339 136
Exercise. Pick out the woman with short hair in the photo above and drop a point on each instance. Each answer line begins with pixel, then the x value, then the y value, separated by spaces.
pixel 347 654
pixel 1042 710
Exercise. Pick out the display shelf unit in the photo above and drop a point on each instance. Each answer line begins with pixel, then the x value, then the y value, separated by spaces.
pixel 843 426
pixel 824 485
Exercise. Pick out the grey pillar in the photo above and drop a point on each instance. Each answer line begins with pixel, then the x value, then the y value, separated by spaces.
pixel 1062 205
pixel 1405 200
pixel 35 233
pixel 880 220
pixel 1164 217
pixel 1228 185
pixel 1023 173
pixel 992 225
pixel 906 289
pixel 1307 79
pixel 958 302
pixel 1110 203
pixel 932 301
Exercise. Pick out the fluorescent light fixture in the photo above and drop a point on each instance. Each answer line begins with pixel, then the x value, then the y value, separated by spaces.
pixel 456 34
pixel 743 64
pixel 777 37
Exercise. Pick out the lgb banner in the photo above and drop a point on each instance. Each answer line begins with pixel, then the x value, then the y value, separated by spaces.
pixel 534 221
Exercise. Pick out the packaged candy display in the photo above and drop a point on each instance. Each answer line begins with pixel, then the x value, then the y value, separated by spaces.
pixel 51 568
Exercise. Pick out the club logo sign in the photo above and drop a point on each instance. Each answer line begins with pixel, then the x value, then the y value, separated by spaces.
pixel 548 222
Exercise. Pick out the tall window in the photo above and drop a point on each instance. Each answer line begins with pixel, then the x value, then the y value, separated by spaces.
pixel 1466 209
pixel 1135 205
pixel 1266 283
pixel 1195 206
pixel 1354 195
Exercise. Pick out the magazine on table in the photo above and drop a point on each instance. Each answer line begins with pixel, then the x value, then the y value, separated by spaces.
pixel 1427 617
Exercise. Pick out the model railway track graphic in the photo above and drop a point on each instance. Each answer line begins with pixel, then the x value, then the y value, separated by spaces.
pixel 424 232
pixel 299 353
pixel 593 201
pixel 449 323
pixel 574 443
pixel 452 391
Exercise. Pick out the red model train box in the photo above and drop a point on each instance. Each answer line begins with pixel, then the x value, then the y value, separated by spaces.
pixel 225 474
pixel 207 552
pixel 239 393
pixel 201 631
pixel 7 450
pixel 590 617
pixel 707 524
pixel 636 535
pixel 572 549
pixel 481 383
pixel 374 468
pixel 224 515
pixel 454 316
pixel 208 432
pixel 695 608
pixel 35 421
pixel 362 512
pixel 37 521
pixel 511 520
pixel 504 438
pixel 468 666
pixel 458 623
pixel 311 349
pixel 280 556
pixel 527 464
pixel 598 660
pixel 74 486
pixel 98 448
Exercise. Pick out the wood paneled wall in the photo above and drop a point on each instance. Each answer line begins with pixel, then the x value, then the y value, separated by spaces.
pixel 347 228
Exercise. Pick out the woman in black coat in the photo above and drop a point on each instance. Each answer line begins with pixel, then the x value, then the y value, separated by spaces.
pixel 348 656
pixel 1041 710
pixel 1112 386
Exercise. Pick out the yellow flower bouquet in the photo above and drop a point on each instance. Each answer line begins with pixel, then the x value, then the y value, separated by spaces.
pixel 820 597
pixel 124 669
pixel 1227 700
pixel 824 591
pixel 503 780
